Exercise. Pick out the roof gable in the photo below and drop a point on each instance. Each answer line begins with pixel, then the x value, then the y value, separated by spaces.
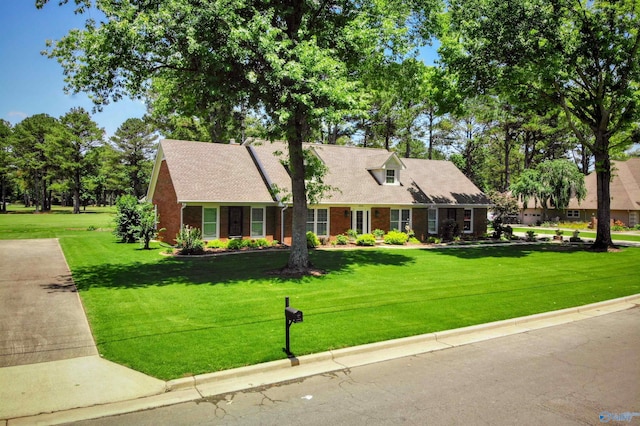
pixel 624 188
pixel 208 172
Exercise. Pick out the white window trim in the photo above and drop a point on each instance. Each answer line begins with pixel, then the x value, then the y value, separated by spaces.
pixel 217 209
pixel 434 231
pixel 470 230
pixel 400 219
pixel 315 220
pixel 263 221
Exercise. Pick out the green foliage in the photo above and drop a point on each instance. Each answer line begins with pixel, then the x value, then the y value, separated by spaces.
pixel 342 240
pixel 312 240
pixel 146 229
pixel 434 240
pixel 263 243
pixel 127 218
pixel 235 244
pixel 366 240
pixel 396 238
pixel 189 241
pixel 378 233
pixel 414 240
pixel 217 244
pixel 352 234
pixel 576 237
pixel 531 235
pixel 451 230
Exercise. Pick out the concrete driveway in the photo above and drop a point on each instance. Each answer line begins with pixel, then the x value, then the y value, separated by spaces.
pixel 41 317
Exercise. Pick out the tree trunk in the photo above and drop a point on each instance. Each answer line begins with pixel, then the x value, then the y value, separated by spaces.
pixel 603 178
pixel 76 193
pixel 430 151
pixel 299 255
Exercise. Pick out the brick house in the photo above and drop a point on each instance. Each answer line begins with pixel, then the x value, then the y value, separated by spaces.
pixel 625 195
pixel 228 192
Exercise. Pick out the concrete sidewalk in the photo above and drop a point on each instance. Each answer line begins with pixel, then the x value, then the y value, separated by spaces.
pixel 89 387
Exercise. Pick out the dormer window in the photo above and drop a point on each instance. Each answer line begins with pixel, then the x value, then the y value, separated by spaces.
pixel 391 177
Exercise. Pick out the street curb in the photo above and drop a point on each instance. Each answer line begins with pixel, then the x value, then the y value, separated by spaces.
pixel 334 355
pixel 269 373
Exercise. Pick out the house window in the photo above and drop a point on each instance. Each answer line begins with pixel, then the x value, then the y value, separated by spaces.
pixel 468 220
pixel 573 214
pixel 257 222
pixel 210 222
pixel 390 177
pixel 400 219
pixel 432 221
pixel 318 222
pixel 633 219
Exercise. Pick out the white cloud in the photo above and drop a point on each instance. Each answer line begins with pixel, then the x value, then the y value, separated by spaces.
pixel 16 116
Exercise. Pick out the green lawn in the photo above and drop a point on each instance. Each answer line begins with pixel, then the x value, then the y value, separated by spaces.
pixel 617 236
pixel 170 317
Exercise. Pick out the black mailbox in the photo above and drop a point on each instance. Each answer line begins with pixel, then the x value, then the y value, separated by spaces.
pixel 293 314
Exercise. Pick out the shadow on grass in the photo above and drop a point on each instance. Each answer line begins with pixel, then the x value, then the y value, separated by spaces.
pixel 508 251
pixel 224 270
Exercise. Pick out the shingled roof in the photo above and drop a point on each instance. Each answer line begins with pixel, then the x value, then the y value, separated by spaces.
pixel 350 171
pixel 625 188
pixel 206 172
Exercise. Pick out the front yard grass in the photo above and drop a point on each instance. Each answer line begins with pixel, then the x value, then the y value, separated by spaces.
pixel 616 236
pixel 170 317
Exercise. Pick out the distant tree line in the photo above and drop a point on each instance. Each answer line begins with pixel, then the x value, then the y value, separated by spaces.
pixel 68 161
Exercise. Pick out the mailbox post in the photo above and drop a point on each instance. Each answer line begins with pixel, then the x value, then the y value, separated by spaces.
pixel 291 315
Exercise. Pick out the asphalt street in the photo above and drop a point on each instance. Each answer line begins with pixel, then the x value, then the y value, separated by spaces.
pixel 585 372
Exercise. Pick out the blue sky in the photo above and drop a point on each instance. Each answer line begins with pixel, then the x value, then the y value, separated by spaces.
pixel 31 83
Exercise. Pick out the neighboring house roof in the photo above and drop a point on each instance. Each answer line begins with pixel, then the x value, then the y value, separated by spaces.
pixel 202 171
pixel 624 187
pixel 350 169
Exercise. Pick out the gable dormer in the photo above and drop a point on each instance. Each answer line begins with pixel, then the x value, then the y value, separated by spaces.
pixel 388 173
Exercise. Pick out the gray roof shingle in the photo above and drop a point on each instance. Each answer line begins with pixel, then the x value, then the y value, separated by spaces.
pixel 207 172
pixel 625 188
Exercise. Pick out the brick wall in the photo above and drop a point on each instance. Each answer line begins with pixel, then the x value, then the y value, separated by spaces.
pixel 338 222
pixel 479 222
pixel 164 197
pixel 419 219
pixel 380 218
pixel 192 216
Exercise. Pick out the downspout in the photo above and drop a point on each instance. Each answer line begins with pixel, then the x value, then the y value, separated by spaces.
pixel 282 221
pixel 181 213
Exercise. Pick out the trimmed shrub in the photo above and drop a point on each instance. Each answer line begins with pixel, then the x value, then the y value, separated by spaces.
pixel 263 242
pixel 434 240
pixel 235 244
pixel 352 234
pixel 378 233
pixel 414 240
pixel 451 230
pixel 342 240
pixel 312 240
pixel 127 218
pixel 531 235
pixel 396 238
pixel 366 240
pixel 189 241
pixel 217 244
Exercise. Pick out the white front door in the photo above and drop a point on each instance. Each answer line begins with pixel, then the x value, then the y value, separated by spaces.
pixel 360 221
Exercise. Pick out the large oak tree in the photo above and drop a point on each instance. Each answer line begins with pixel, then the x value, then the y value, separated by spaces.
pixel 582 56
pixel 291 58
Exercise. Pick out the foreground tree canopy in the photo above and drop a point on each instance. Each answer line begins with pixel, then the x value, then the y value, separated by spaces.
pixel 582 56
pixel 294 59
